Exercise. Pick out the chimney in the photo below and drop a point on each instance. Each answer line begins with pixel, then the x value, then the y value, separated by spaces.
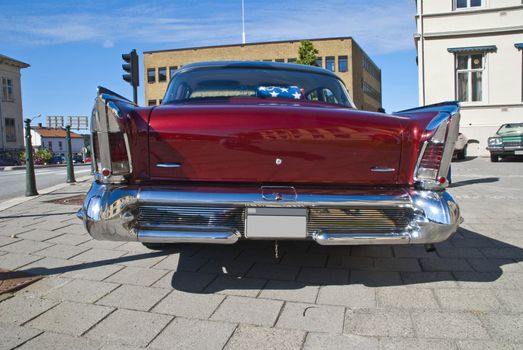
pixel 39 125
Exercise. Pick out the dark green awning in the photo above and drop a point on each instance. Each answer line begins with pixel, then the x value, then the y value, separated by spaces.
pixel 489 48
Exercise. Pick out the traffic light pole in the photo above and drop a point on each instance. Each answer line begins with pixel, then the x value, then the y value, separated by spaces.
pixel 135 94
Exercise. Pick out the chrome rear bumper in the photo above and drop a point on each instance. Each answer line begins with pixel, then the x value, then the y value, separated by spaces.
pixel 217 215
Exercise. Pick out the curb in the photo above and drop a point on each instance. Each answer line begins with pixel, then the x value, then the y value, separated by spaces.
pixel 22 167
pixel 19 200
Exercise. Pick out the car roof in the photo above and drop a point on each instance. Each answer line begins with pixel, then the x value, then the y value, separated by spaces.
pixel 258 65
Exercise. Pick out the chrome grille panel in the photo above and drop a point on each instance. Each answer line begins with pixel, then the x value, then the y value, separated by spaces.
pixel 512 144
pixel 359 220
pixel 191 217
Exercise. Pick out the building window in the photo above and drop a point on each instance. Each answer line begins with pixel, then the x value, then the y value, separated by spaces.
pixel 10 130
pixel 267 61
pixel 60 146
pixel 469 77
pixel 463 4
pixel 371 68
pixel 151 103
pixel 50 145
pixel 343 64
pixel 162 74
pixel 279 60
pixel 172 70
pixel 160 101
pixel 7 89
pixel 319 62
pixel 151 75
pixel 291 60
pixel 329 63
pixel 371 92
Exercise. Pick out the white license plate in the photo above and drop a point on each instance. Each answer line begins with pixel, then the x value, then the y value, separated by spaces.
pixel 276 223
pixel 518 153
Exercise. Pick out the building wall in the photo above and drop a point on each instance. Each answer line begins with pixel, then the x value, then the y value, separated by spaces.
pixel 11 108
pixel 268 51
pixel 496 23
pixel 76 145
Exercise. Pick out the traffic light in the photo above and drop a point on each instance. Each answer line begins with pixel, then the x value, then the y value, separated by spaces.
pixel 131 67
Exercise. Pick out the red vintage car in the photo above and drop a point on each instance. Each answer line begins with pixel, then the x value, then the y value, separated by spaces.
pixel 268 151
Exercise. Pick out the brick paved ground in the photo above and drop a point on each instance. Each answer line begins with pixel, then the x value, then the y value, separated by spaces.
pixel 116 295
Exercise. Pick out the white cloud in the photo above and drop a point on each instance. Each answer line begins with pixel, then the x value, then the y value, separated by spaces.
pixel 108 43
pixel 379 26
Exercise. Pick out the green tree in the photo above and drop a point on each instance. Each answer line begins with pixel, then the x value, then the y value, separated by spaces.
pixel 307 53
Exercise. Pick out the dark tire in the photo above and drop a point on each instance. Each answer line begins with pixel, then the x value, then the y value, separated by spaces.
pixel 494 158
pixel 463 154
pixel 159 246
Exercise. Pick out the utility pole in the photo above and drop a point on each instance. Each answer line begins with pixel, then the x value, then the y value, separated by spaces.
pixel 30 183
pixel 70 168
pixel 243 22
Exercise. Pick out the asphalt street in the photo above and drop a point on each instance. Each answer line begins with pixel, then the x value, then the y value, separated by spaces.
pixel 12 182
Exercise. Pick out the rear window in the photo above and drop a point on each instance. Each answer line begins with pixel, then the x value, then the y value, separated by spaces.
pixel 263 83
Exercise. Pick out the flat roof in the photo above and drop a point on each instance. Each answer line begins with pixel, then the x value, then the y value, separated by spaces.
pixel 264 43
pixel 250 44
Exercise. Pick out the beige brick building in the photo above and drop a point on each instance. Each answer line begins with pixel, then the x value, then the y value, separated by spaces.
pixel 11 120
pixel 341 55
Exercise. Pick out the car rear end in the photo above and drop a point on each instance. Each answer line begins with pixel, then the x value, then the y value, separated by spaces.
pixel 216 174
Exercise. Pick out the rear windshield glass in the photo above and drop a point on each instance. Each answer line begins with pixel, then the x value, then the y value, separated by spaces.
pixel 223 82
pixel 513 128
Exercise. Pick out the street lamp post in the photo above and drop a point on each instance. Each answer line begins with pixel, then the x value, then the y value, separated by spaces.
pixel 70 169
pixel 30 183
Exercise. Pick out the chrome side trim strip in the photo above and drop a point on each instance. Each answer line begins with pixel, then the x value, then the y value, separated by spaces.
pixel 168 165
pixel 382 170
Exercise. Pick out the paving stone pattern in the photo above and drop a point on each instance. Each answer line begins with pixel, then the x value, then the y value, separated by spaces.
pixel 117 295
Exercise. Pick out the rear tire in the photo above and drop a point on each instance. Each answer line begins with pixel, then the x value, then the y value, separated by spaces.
pixel 159 246
pixel 463 154
pixel 494 158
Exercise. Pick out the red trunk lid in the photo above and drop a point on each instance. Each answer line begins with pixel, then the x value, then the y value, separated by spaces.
pixel 243 140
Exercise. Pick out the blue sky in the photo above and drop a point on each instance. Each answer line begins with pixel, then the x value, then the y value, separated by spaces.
pixel 72 48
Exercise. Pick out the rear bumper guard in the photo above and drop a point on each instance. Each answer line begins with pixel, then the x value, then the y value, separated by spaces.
pixel 111 212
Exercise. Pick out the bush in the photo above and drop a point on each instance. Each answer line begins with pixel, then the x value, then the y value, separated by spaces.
pixel 40 156
pixel 43 155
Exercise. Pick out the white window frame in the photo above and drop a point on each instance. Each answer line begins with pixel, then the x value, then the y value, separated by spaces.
pixel 469 71
pixel 468 8
pixel 7 89
pixel 9 137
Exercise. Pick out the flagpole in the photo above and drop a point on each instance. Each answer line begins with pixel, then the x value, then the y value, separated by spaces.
pixel 243 22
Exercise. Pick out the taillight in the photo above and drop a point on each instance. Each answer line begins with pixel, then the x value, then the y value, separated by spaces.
pixel 95 151
pixel 429 170
pixel 431 161
pixel 110 143
pixel 118 151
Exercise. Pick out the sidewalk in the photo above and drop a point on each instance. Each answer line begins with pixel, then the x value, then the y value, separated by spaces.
pixel 117 295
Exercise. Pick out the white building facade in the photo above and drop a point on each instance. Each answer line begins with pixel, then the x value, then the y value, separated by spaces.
pixel 11 120
pixel 55 140
pixel 472 51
